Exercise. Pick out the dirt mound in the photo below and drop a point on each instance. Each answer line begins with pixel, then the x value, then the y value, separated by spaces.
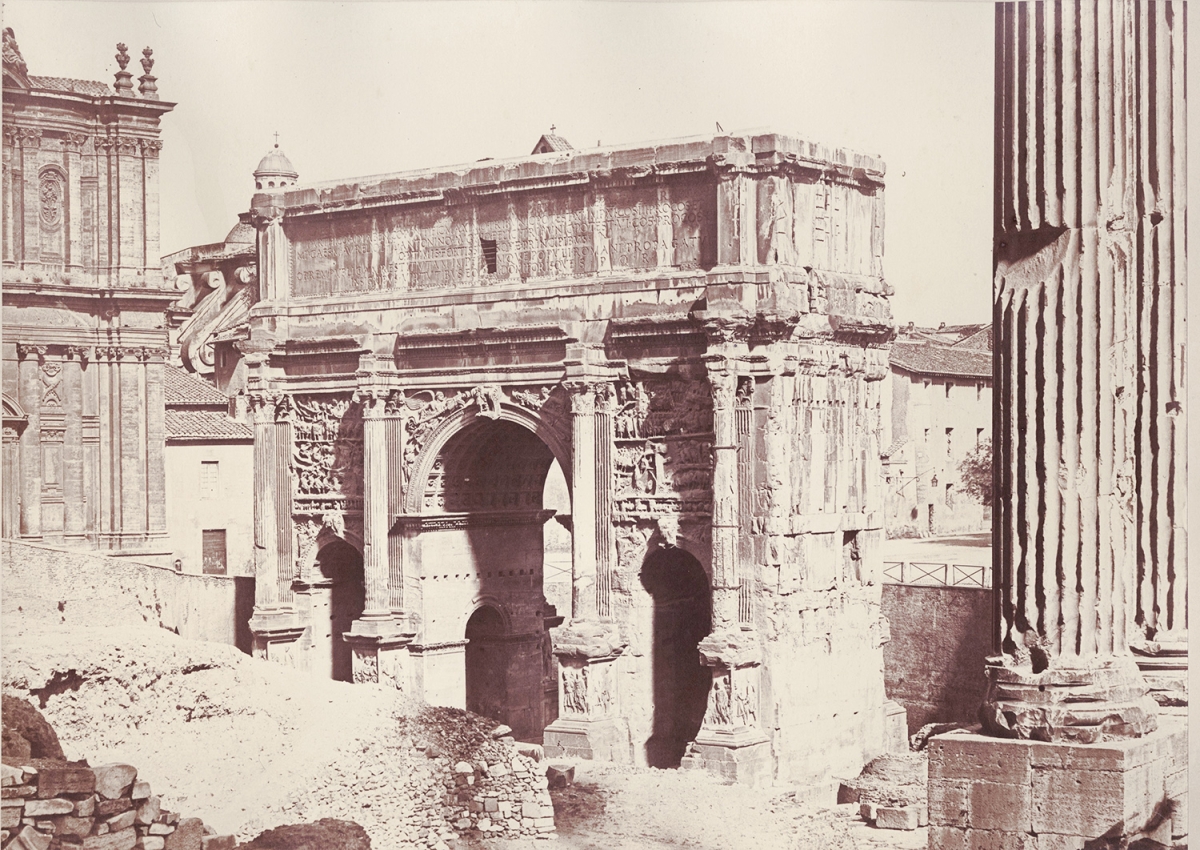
pixel 455 734
pixel 26 733
pixel 325 834
pixel 246 745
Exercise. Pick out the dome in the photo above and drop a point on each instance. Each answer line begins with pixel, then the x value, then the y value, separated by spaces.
pixel 275 171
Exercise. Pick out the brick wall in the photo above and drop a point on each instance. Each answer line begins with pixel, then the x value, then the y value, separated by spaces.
pixel 933 664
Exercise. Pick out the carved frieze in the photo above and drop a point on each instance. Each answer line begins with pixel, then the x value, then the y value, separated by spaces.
pixel 586 690
pixel 327 446
pixel 424 411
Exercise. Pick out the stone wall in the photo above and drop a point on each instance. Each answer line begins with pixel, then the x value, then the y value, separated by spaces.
pixel 933 664
pixel 42 582
pixel 97 808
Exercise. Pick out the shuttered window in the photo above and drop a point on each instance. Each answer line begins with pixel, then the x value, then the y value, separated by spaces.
pixel 214 551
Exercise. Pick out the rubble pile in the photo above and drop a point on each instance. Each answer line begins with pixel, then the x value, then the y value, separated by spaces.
pixel 892 791
pixel 250 746
pixel 49 803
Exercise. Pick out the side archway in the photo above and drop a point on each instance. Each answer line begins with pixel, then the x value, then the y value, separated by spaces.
pixel 337 600
pixel 682 598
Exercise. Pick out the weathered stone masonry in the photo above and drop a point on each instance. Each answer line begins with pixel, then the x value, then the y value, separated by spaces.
pixel 85 333
pixel 695 332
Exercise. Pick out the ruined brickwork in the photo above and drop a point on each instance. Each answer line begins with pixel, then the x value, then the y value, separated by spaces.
pixel 695 332
pixel 85 335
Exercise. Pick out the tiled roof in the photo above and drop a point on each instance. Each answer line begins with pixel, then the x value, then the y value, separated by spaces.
pixel 197 425
pixel 91 88
pixel 551 143
pixel 182 388
pixel 950 361
pixel 980 339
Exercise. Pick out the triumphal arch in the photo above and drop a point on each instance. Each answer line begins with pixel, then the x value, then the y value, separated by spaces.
pixel 695 332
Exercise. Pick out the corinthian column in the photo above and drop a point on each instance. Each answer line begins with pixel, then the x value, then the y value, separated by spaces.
pixel 1089 399
pixel 583 500
pixel 377 615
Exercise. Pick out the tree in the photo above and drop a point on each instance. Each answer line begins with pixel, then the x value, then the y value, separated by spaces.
pixel 976 473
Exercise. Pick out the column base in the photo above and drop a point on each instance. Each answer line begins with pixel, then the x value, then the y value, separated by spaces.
pixel 1094 700
pixel 895 727
pixel 1164 665
pixel 379 659
pixel 992 792
pixel 276 634
pixel 736 755
pixel 597 740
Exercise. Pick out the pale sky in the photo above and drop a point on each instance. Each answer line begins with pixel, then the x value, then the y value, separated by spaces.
pixel 364 88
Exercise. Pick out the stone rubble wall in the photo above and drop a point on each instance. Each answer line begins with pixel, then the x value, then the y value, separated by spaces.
pixel 426 799
pixel 49 804
pixel 81 588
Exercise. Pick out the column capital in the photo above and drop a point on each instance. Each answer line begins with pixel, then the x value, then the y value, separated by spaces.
pixel 26 350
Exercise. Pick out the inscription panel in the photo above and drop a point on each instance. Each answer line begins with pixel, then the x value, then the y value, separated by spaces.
pixel 549 235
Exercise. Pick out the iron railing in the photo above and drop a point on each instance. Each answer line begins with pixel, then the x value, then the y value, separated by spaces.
pixel 936 575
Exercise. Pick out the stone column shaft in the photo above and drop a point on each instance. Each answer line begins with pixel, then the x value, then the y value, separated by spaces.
pixel 725 579
pixel 156 436
pixel 73 492
pixel 31 448
pixel 132 425
pixel 266 585
pixel 1089 311
pixel 375 510
pixel 583 501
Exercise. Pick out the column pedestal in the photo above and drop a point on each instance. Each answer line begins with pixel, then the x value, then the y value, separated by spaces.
pixel 986 792
pixel 587 726
pixel 380 659
pixel 730 744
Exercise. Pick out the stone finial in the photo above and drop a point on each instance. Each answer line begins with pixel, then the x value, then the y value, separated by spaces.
pixel 124 79
pixel 146 82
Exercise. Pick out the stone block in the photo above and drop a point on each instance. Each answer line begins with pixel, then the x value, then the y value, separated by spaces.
pixel 1002 807
pixel 108 808
pixel 121 821
pixel 559 774
pixel 218 842
pixel 15 791
pixel 958 755
pixel 1077 802
pixel 949 802
pixel 123 840
pixel 86 807
pixel 947 838
pixel 491 804
pixel 149 810
pixel 71 825
pixel 10 816
pixel 30 839
pixel 10 775
pixel 897 817
pixel 186 836
pixel 114 780
pixel 44 808
pixel 140 790
pixel 160 829
pixel 56 780
pixel 867 811
pixel 150 842
pixel 531 809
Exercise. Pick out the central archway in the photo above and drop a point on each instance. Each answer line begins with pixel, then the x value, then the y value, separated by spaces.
pixel 487 561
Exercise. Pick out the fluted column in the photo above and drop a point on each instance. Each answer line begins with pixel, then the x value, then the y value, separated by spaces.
pixel 377 611
pixel 74 522
pixel 266 555
pixel 583 500
pixel 28 393
pixel 1089 397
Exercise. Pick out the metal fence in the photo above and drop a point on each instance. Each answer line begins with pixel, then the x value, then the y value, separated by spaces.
pixel 936 575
